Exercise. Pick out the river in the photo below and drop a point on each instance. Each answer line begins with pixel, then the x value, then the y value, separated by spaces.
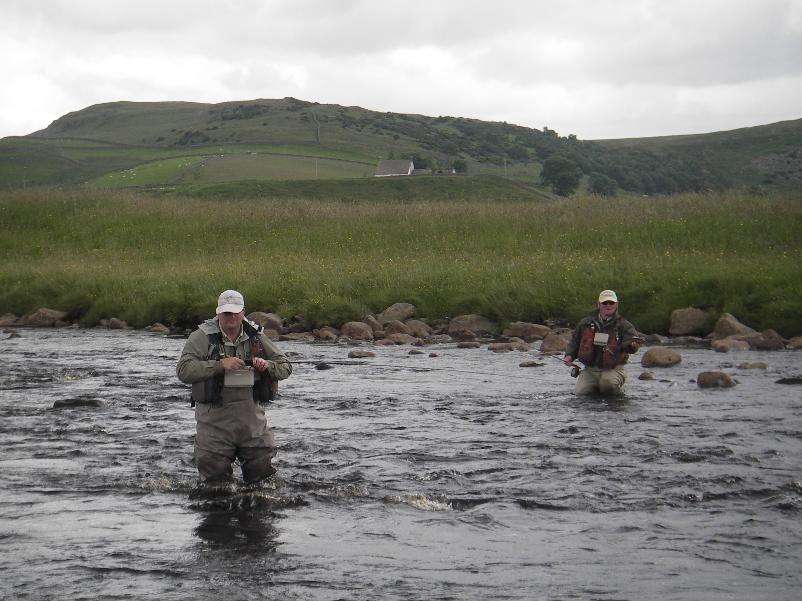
pixel 455 476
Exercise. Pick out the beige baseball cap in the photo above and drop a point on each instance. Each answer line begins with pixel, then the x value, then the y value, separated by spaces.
pixel 607 295
pixel 230 301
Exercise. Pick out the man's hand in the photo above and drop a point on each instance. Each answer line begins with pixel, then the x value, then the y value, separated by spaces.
pixel 232 363
pixel 568 360
pixel 633 346
pixel 260 364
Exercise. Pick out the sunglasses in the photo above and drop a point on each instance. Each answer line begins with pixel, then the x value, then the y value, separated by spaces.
pixel 608 303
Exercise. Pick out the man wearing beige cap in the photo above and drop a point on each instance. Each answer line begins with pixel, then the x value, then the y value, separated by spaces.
pixel 233 368
pixel 602 341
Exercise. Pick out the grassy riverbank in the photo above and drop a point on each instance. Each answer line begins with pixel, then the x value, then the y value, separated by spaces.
pixel 145 259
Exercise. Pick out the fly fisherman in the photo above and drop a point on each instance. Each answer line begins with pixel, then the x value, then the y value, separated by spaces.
pixel 603 341
pixel 233 368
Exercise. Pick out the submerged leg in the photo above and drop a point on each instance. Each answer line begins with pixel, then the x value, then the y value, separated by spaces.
pixel 612 381
pixel 256 451
pixel 587 382
pixel 213 467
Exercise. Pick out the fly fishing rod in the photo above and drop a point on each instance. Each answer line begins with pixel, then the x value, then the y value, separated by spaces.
pixel 575 369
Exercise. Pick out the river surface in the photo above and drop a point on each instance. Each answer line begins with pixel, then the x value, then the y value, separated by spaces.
pixel 458 476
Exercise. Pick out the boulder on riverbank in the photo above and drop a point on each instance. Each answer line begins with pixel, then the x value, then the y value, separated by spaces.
pixel 9 319
pixel 768 340
pixel 728 326
pixel 477 324
pixel 360 354
pixel 401 338
pixel 418 328
pixel 528 332
pixel 555 342
pixel 357 330
pixel 469 344
pixel 396 327
pixel 397 312
pixel 506 347
pixel 714 379
pixel 753 365
pixel 77 402
pixel 731 343
pixel 116 323
pixel 688 322
pixel 730 334
pixel 269 321
pixel 44 318
pixel 659 356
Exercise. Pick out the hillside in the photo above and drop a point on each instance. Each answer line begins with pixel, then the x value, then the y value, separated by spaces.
pixel 191 146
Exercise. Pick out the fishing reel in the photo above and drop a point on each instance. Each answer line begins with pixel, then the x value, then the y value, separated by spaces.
pixel 575 369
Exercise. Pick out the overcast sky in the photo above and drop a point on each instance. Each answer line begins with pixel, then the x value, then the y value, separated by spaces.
pixel 593 68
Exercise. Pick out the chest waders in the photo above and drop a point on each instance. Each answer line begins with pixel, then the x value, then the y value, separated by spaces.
pixel 211 390
pixel 611 351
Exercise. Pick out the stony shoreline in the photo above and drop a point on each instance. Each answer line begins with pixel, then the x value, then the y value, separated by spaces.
pixel 398 325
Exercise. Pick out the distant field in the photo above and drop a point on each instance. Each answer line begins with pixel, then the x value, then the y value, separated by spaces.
pixel 97 164
pixel 145 259
pixel 203 169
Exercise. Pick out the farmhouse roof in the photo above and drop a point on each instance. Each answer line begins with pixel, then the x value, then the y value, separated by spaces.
pixel 386 168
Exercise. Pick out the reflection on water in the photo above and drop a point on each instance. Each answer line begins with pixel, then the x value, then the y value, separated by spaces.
pixel 400 477
pixel 239 532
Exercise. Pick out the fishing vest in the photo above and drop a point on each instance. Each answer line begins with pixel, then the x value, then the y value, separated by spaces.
pixel 611 355
pixel 211 390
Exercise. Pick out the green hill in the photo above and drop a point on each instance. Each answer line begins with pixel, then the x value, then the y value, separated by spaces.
pixel 252 145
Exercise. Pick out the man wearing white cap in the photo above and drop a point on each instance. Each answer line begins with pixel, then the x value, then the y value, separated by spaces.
pixel 602 341
pixel 233 368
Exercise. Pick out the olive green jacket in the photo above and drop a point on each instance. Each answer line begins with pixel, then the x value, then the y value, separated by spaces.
pixel 195 365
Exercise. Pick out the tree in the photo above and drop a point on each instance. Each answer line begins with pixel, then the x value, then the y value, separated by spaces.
pixel 460 166
pixel 562 174
pixel 598 183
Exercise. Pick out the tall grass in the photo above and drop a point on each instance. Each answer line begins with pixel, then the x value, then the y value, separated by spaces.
pixel 146 259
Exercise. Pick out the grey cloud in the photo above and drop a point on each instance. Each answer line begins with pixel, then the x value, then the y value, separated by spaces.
pixel 531 62
pixel 675 45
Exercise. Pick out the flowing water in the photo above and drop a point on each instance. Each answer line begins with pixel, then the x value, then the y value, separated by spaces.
pixel 456 476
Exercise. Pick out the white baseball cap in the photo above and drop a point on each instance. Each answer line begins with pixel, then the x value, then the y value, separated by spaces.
pixel 230 301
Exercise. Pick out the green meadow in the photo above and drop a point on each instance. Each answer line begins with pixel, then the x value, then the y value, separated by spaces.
pixel 252 166
pixel 144 258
